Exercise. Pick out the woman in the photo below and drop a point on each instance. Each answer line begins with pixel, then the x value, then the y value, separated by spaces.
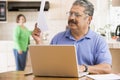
pixel 21 39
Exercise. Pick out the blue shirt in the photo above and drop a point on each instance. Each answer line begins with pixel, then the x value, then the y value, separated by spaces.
pixel 92 49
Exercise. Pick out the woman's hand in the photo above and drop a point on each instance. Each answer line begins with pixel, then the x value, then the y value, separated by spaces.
pixel 19 51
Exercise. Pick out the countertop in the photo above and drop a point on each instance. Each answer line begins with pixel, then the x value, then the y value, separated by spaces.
pixel 113 43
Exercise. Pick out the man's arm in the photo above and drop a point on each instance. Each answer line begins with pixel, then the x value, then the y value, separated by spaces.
pixel 97 69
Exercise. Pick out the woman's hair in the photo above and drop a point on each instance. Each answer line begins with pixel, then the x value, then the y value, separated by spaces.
pixel 18 18
pixel 89 7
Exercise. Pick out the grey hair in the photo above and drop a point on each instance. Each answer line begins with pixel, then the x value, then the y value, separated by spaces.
pixel 89 7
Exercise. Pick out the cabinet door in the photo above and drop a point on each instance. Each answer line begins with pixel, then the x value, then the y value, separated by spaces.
pixel 3 62
pixel 115 52
pixel 10 56
pixel 7 62
pixel 11 61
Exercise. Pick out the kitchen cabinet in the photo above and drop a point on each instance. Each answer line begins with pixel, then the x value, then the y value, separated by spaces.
pixel 7 62
pixel 115 52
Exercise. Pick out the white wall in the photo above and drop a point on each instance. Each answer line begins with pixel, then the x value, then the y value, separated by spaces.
pixel 103 13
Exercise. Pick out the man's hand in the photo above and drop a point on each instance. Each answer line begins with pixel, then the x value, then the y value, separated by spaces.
pixel 36 34
pixel 81 68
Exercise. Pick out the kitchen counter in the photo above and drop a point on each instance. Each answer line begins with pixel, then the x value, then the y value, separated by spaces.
pixel 113 43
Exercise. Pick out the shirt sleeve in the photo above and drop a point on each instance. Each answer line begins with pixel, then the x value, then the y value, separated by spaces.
pixel 103 54
pixel 16 36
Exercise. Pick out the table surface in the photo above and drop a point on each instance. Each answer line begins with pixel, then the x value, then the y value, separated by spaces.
pixel 19 75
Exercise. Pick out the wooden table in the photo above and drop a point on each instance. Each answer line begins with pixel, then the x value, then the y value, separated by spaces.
pixel 19 75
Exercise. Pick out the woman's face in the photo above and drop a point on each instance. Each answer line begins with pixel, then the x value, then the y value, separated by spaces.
pixel 22 20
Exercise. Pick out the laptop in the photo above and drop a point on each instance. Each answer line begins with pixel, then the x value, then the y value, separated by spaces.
pixel 54 60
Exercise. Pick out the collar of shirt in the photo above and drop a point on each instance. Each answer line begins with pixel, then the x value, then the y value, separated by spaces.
pixel 87 36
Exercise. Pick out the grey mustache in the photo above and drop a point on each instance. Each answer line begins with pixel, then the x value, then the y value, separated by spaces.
pixel 72 21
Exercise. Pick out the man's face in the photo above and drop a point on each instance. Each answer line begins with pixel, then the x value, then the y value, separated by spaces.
pixel 78 19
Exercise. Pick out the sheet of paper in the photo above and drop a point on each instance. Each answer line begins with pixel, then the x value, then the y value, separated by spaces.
pixel 41 22
pixel 105 77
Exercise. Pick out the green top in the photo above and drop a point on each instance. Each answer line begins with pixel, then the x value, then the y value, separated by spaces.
pixel 21 38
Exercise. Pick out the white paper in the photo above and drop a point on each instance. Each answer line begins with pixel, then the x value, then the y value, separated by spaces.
pixel 105 77
pixel 41 22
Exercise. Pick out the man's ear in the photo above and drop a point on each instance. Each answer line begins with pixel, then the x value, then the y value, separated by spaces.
pixel 90 19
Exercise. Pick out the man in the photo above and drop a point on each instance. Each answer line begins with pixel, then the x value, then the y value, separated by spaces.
pixel 92 51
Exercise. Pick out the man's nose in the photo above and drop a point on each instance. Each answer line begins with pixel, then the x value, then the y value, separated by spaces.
pixel 72 16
